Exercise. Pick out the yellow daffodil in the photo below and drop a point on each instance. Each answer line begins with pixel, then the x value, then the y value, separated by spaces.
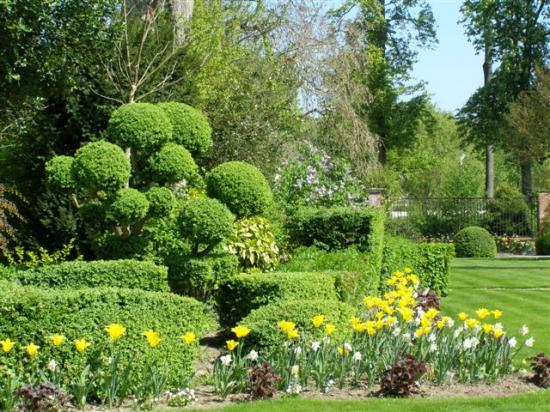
pixel 57 339
pixel 241 331
pixel 81 345
pixel 497 333
pixel 330 329
pixel 408 270
pixel 293 334
pixel 32 349
pixel 7 345
pixel 462 315
pixel 482 313
pixel 153 338
pixel 431 313
pixel 496 313
pixel 487 328
pixel 286 326
pixel 115 331
pixel 231 345
pixel 471 323
pixel 359 327
pixel 342 351
pixel 189 337
pixel 406 313
pixel 318 320
pixel 440 324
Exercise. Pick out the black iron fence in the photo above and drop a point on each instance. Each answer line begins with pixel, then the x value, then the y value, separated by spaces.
pixel 446 216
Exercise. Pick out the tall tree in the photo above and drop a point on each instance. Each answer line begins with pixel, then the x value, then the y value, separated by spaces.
pixel 519 37
pixel 392 31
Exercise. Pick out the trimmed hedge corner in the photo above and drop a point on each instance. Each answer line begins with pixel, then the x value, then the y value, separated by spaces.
pixel 475 241
pixel 241 294
pixel 430 261
pixel 542 244
pixel 131 274
pixel 264 320
pixel 31 315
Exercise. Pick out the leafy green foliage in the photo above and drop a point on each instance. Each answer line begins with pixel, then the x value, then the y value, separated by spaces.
pixel 140 126
pixel 508 213
pixel 131 274
pixel 542 244
pixel 263 321
pixel 24 258
pixel 253 242
pixel 190 127
pixel 171 164
pixel 241 186
pixel 474 241
pixel 100 166
pixel 30 315
pixel 128 206
pixel 241 294
pixel 204 221
pixel 59 172
pixel 161 201
pixel 429 261
pixel 200 278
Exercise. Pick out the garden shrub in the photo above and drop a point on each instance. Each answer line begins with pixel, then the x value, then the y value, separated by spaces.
pixel 475 241
pixel 161 201
pixel 204 222
pixel 100 166
pixel 264 320
pixel 59 172
pixel 253 242
pixel 190 127
pixel 129 205
pixel 131 274
pixel 508 213
pixel 429 261
pixel 32 315
pixel 140 126
pixel 200 277
pixel 542 244
pixel 171 164
pixel 241 294
pixel 241 186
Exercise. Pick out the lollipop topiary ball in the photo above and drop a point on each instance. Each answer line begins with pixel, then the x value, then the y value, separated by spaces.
pixel 59 172
pixel 172 163
pixel 100 166
pixel 140 126
pixel 241 186
pixel 129 206
pixel 161 201
pixel 190 127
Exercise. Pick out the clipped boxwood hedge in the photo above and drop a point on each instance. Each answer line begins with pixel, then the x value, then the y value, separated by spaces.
pixel 264 320
pixel 30 314
pixel 430 261
pixel 130 274
pixel 542 244
pixel 239 295
pixel 474 241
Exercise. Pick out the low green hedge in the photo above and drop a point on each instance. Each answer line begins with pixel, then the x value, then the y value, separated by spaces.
pixel 474 241
pixel 30 314
pixel 342 227
pixel 542 244
pixel 239 295
pixel 264 320
pixel 131 274
pixel 430 261
pixel 200 277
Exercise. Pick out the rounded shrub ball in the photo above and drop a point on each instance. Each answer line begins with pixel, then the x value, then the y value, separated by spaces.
pixel 205 221
pixel 241 186
pixel 101 166
pixel 190 127
pixel 141 126
pixel 542 244
pixel 474 241
pixel 171 164
pixel 59 172
pixel 129 206
pixel 161 201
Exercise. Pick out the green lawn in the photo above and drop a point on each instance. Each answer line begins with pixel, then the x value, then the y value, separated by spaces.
pixel 518 287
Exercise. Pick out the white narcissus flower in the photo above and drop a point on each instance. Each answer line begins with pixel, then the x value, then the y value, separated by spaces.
pixel 52 365
pixel 396 332
pixel 431 338
pixel 524 330
pixel 295 370
pixel 407 337
pixel 450 322
pixel 357 356
pixel 226 360
pixel 457 332
pixel 530 342
pixel 253 355
pixel 348 347
pixel 467 344
pixel 297 350
pixel 475 342
pixel 512 342
pixel 315 346
pixel 433 347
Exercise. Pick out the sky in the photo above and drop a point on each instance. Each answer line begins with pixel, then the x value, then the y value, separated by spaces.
pixel 452 70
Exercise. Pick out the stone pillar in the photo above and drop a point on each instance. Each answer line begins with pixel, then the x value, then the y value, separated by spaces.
pixel 544 207
pixel 376 196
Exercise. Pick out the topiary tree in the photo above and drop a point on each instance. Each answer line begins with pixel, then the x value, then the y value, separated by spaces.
pixel 190 127
pixel 474 241
pixel 205 222
pixel 129 206
pixel 241 186
pixel 171 164
pixel 161 201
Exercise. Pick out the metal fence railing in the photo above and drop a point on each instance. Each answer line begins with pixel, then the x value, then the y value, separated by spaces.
pixel 444 216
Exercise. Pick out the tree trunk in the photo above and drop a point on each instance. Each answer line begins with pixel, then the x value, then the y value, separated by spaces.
pixel 182 11
pixel 487 76
pixel 382 128
pixel 526 180
pixel 489 172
